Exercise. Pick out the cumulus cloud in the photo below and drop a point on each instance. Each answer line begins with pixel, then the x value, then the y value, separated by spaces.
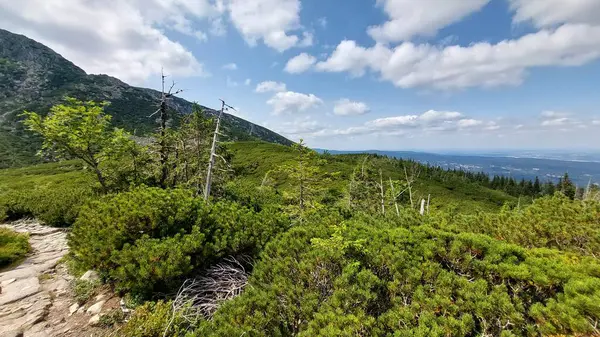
pixel 118 38
pixel 410 65
pixel 300 63
pixel 428 121
pixel 545 13
pixel 268 20
pixel 346 107
pixel 247 81
pixel 288 102
pixel 231 83
pixel 230 66
pixel 299 127
pixel 409 18
pixel 270 86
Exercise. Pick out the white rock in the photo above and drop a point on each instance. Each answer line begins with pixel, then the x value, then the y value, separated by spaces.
pixel 100 297
pixel 90 276
pixel 96 308
pixel 73 308
pixel 94 320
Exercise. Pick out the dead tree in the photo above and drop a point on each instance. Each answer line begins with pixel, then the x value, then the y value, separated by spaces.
pixel 381 192
pixel 162 143
pixel 410 179
pixel 213 151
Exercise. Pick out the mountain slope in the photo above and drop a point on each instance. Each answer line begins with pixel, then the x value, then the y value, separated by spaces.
pixel 34 77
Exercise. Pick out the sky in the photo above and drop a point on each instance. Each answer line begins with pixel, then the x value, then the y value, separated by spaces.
pixel 430 75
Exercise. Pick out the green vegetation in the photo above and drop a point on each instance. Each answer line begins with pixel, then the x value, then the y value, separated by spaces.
pixel 83 290
pixel 293 243
pixel 13 246
pixel 52 193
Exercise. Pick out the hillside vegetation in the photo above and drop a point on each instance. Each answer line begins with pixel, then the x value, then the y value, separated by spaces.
pixel 274 240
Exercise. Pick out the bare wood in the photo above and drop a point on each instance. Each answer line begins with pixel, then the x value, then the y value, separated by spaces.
pixel 382 195
pixel 394 197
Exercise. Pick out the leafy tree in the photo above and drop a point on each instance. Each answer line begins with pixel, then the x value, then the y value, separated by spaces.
pixel 81 130
pixel 306 175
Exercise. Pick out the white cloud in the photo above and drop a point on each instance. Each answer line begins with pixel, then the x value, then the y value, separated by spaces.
pixel 231 83
pixel 468 123
pixel 548 114
pixel 269 20
pixel 300 63
pixel 270 86
pixel 247 82
pixel 410 65
pixel 409 18
pixel 407 125
pixel 545 13
pixel 300 127
pixel 217 27
pixel 230 66
pixel 307 40
pixel 433 115
pixel 287 102
pixel 322 22
pixel 118 38
pixel 596 122
pixel 346 107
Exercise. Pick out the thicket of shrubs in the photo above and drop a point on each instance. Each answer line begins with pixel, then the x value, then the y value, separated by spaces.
pixel 551 222
pixel 146 240
pixel 377 279
pixel 13 246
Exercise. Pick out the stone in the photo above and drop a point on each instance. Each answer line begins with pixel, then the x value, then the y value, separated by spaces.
pixel 96 308
pixel 94 320
pixel 90 276
pixel 100 297
pixel 73 308
pixel 19 289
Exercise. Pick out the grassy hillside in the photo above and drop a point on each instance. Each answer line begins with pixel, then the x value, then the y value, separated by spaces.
pixel 254 159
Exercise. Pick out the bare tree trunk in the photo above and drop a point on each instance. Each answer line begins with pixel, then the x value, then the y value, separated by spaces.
pixel 164 154
pixel 394 197
pixel 422 211
pixel 428 198
pixel 101 178
pixel 409 185
pixel 382 195
pixel 213 149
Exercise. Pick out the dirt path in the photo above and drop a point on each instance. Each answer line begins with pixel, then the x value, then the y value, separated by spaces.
pixel 36 298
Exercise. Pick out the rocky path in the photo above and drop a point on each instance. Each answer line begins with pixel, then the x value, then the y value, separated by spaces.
pixel 36 298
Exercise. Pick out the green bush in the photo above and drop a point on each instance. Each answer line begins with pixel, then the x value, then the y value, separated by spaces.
pixel 147 239
pixel 13 246
pixel 83 290
pixel 104 226
pixel 551 222
pixel 52 192
pixel 152 319
pixel 376 279
pixel 56 206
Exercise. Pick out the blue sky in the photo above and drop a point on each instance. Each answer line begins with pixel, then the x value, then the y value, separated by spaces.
pixel 371 74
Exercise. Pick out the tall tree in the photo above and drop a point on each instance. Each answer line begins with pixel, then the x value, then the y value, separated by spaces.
pixel 81 130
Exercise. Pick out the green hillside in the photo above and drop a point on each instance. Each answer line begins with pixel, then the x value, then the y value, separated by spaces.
pixel 254 159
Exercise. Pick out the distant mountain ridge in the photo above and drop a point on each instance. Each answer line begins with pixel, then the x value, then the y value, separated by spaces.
pixel 34 77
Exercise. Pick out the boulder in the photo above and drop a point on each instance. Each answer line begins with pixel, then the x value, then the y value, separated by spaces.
pixel 96 308
pixel 90 276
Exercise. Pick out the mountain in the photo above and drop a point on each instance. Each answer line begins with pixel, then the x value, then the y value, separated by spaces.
pixel 528 168
pixel 33 77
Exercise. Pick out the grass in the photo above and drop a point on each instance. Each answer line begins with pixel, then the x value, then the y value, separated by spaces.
pixel 253 160
pixel 13 247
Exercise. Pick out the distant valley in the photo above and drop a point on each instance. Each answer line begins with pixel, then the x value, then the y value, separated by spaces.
pixel 548 166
